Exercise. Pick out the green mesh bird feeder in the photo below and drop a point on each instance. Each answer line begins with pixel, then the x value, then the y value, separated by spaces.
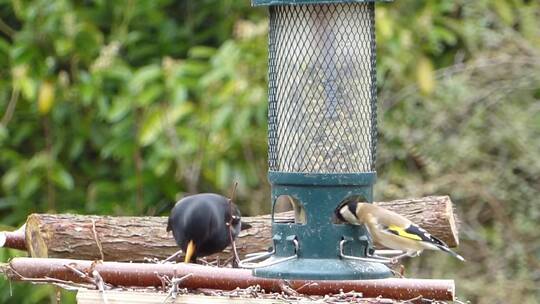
pixel 322 137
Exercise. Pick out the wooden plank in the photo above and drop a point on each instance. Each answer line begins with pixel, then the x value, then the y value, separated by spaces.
pixel 86 296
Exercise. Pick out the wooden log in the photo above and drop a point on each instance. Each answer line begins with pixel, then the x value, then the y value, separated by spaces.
pixel 90 237
pixel 136 238
pixel 199 276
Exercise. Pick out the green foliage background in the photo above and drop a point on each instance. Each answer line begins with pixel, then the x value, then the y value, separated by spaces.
pixel 121 107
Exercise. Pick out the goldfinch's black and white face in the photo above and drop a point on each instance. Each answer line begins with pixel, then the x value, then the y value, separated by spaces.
pixel 347 213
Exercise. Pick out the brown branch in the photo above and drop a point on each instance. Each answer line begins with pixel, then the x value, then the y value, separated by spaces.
pixel 145 275
pixel 13 239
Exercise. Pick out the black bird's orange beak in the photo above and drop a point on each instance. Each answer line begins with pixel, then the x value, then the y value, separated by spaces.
pixel 189 251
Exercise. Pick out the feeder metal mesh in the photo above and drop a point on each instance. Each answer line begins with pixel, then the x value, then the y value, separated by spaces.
pixel 322 88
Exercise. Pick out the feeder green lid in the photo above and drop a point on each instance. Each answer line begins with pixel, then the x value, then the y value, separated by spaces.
pixel 293 2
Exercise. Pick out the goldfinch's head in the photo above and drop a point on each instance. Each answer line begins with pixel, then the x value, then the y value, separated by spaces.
pixel 347 210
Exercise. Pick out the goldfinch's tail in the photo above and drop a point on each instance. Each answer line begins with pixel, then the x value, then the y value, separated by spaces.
pixel 452 253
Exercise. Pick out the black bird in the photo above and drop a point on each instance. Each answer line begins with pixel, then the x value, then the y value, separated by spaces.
pixel 202 224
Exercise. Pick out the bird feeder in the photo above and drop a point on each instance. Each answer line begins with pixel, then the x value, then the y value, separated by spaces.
pixel 322 136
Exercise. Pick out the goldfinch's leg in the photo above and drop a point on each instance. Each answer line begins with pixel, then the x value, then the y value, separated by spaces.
pixel 415 254
pixel 189 251
pixel 411 254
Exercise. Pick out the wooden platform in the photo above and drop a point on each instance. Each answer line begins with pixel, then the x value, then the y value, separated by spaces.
pixel 86 296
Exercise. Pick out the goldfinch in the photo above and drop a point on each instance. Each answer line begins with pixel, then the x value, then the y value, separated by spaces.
pixel 390 229
pixel 203 224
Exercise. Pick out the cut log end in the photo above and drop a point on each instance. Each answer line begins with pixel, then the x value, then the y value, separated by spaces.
pixel 35 242
pixel 449 213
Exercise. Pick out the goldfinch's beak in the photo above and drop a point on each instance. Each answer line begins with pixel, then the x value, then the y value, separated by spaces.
pixel 189 252
pixel 347 213
pixel 337 213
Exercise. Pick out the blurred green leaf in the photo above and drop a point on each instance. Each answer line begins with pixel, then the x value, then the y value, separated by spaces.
pixel 504 9
pixel 150 94
pixel 10 178
pixel 62 178
pixel 201 52
pixel 29 186
pixel 4 133
pixel 142 77
pixel 121 106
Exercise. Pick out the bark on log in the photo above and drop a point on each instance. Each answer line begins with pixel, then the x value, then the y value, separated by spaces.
pixel 136 238
pixel 145 274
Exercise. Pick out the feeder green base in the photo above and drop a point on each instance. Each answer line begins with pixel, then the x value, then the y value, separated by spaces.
pixel 324 269
pixel 311 249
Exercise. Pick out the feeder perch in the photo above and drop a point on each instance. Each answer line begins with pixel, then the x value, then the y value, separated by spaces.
pixel 322 136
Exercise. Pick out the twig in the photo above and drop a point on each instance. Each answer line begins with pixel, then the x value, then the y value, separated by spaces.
pixel 236 260
pixel 95 280
pixel 172 257
pixel 152 260
pixel 100 285
pixel 233 193
pixel 45 280
pixel 210 292
pixel 174 286
pixel 164 280
pixel 6 29
pixel 459 302
pixel 227 261
pixel 98 243
pixel 205 262
pixel 399 273
pixel 305 285
pixel 11 106
pixel 70 286
pixel 420 297
pixel 287 289
pixel 81 274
